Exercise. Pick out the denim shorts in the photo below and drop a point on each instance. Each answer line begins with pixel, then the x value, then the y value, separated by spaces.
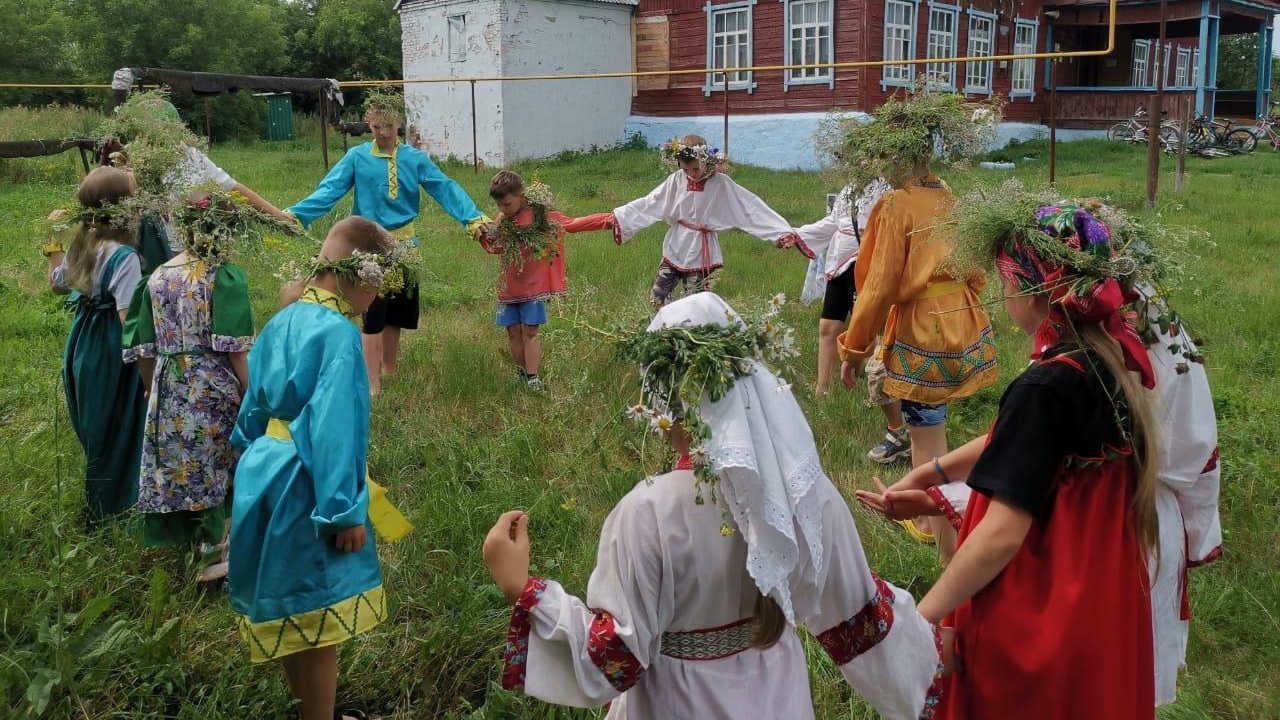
pixel 533 312
pixel 923 415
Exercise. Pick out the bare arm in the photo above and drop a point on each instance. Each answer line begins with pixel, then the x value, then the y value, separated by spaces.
pixel 987 550
pixel 240 364
pixel 55 261
pixel 147 370
pixel 262 204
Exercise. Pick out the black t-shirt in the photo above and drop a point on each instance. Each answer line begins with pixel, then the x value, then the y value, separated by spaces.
pixel 1052 411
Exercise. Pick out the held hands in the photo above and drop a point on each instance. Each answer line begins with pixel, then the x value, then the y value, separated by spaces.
pixel 897 504
pixel 786 242
pixel 350 540
pixel 506 553
pixel 950 663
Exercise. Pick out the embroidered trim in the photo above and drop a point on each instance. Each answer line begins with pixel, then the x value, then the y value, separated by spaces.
pixel 709 644
pixel 1214 554
pixel 863 631
pixel 610 655
pixel 617 232
pixel 948 510
pixel 393 174
pixel 971 362
pixel 320 296
pixel 696 185
pixel 1110 453
pixel 330 625
pixel 684 463
pixel 515 655
pixel 933 696
pixel 800 244
pixel 1212 464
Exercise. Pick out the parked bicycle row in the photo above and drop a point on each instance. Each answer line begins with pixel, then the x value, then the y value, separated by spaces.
pixel 1204 135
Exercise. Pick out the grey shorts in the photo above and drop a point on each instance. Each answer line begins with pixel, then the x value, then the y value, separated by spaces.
pixel 876 376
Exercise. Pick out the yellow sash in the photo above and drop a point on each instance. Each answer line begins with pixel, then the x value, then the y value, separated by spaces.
pixel 390 524
pixel 946 287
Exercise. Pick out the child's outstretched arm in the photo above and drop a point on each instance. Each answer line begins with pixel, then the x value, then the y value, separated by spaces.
pixel 640 213
pixel 744 210
pixel 586 223
pixel 338 182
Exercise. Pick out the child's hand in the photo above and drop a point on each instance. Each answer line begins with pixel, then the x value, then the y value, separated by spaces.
pixel 506 553
pixel 950 664
pixel 786 242
pixel 350 540
pixel 848 371
pixel 897 504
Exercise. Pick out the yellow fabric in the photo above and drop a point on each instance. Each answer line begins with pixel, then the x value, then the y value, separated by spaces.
pixel 393 175
pixel 474 225
pixel 404 232
pixel 916 533
pixel 937 339
pixel 390 524
pixel 319 628
pixel 320 296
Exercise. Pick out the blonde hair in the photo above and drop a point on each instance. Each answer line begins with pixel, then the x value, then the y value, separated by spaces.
pixel 768 623
pixel 102 187
pixel 1142 430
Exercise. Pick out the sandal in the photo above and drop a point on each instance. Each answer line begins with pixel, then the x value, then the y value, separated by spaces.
pixel 215 573
pixel 916 533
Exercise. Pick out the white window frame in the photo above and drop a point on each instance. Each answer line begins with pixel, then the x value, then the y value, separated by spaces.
pixel 984 67
pixel 1164 64
pixel 457 37
pixel 900 75
pixel 816 76
pixel 715 80
pixel 1140 70
pixel 1182 70
pixel 940 44
pixel 1195 67
pixel 1024 69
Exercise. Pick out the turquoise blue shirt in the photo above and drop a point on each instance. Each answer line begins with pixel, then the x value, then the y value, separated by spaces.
pixel 387 188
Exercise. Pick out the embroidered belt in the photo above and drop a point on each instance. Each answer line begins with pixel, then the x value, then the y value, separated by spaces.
pixel 709 644
pixel 390 524
pixel 943 288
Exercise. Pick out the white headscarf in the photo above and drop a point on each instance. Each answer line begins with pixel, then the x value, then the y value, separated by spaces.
pixel 762 452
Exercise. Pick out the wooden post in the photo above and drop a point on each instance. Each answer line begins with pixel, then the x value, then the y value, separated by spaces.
pixel 475 143
pixel 1153 120
pixel 207 132
pixel 84 159
pixel 1184 122
pixel 1053 127
pixel 324 131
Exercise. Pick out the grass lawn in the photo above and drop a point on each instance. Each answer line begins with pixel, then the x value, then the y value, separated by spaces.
pixel 96 626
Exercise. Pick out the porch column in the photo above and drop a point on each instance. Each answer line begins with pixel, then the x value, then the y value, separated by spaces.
pixel 1214 31
pixel 1202 74
pixel 1265 38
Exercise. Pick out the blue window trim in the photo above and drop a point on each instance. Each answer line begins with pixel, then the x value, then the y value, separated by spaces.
pixel 955 40
pixel 1035 41
pixel 709 87
pixel 787 81
pixel 990 16
pixel 911 55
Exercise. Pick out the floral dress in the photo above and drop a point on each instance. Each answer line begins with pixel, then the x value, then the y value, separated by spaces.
pixel 189 317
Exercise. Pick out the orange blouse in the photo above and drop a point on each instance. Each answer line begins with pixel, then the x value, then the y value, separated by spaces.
pixel 937 340
pixel 535 278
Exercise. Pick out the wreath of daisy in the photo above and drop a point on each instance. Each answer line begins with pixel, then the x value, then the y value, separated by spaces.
pixel 673 152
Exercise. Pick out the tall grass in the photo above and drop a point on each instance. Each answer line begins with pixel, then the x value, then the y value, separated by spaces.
pixel 95 626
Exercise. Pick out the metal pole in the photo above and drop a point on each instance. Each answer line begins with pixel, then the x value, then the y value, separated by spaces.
pixel 475 144
pixel 324 132
pixel 1053 127
pixel 725 150
pixel 1153 120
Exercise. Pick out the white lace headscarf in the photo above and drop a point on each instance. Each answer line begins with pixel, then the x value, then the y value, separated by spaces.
pixel 762 452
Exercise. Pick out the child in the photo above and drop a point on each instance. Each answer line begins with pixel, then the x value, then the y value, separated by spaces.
pixel 532 263
pixel 190 328
pixel 689 610
pixel 304 573
pixel 1052 544
pixel 104 395
pixel 387 178
pixel 697 201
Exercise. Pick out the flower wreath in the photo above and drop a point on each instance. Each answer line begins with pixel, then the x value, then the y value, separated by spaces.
pixel 539 240
pixel 673 152
pixel 389 272
pixel 216 220
pixel 384 102
pixel 682 365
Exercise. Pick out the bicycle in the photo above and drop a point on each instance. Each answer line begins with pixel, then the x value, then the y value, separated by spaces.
pixel 1205 133
pixel 1134 130
pixel 1265 127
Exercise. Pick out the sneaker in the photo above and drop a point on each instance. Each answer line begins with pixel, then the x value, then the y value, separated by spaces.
pixel 534 383
pixel 896 445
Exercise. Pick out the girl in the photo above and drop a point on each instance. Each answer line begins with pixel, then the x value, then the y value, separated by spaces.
pixel 104 395
pixel 688 612
pixel 698 201
pixel 190 328
pixel 1053 544
pixel 304 574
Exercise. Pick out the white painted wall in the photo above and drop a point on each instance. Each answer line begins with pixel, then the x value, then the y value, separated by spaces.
pixel 785 141
pixel 519 119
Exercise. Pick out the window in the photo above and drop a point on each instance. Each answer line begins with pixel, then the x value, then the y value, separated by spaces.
pixel 1024 71
pixel 809 40
pixel 942 44
pixel 977 75
pixel 729 44
pixel 1182 71
pixel 899 41
pixel 457 38
pixel 1195 68
pixel 1139 74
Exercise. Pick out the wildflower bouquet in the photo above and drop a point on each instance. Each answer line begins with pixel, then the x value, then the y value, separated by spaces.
pixel 154 138
pixel 215 220
pixel 540 240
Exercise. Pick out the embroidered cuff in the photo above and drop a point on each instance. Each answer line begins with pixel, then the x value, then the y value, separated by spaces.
pixel 933 696
pixel 515 656
pixel 476 223
pixel 138 352
pixel 1214 554
pixel 863 631
pixel 617 232
pixel 231 344
pixel 948 510
pixel 800 245
pixel 610 655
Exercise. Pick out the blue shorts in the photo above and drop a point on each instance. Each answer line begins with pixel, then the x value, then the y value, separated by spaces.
pixel 533 312
pixel 923 415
